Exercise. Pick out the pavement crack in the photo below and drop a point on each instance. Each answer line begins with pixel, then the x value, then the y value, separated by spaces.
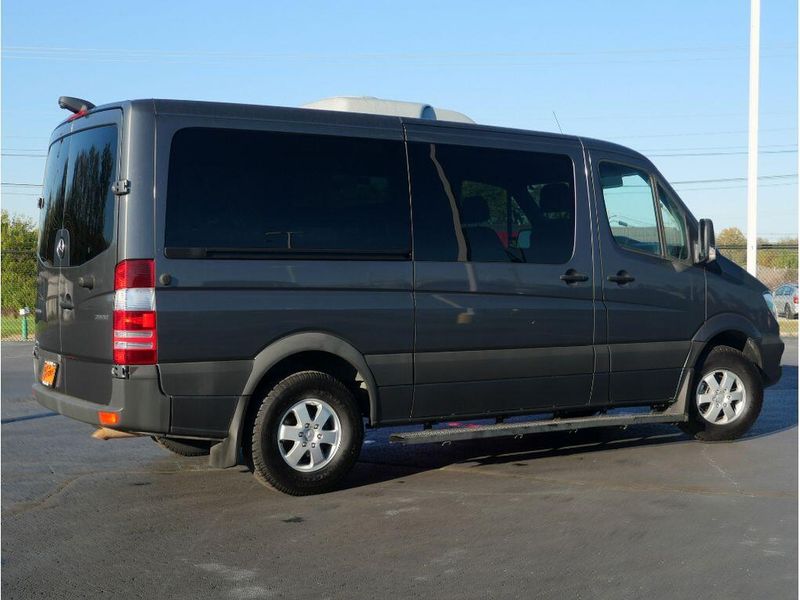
pixel 719 469
pixel 24 507
pixel 31 505
pixel 630 487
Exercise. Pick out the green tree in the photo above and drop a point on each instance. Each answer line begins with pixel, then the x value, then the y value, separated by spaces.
pixel 731 236
pixel 18 255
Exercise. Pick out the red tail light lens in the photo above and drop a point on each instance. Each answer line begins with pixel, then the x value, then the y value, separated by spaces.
pixel 135 336
pixel 135 274
pixel 795 298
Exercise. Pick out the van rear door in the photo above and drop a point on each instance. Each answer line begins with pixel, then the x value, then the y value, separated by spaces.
pixel 81 254
pixel 87 270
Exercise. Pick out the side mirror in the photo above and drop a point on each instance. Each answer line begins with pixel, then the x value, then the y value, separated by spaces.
pixel 706 251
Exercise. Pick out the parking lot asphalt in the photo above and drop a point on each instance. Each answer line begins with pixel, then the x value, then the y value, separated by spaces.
pixel 639 513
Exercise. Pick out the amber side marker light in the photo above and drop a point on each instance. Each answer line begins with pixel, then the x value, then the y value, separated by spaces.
pixel 108 418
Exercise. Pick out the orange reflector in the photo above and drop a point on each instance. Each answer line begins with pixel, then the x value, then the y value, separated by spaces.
pixel 108 418
pixel 49 373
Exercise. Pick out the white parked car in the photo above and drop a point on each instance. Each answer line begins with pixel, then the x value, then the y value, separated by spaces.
pixel 786 300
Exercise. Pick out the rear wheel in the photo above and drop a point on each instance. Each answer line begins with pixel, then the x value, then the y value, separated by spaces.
pixel 726 398
pixel 307 434
pixel 184 447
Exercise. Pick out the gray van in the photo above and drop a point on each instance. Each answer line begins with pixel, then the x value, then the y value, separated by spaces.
pixel 256 283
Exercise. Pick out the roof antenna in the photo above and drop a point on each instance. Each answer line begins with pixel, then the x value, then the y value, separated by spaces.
pixel 557 123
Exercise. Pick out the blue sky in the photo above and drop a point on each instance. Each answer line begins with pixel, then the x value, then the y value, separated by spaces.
pixel 668 78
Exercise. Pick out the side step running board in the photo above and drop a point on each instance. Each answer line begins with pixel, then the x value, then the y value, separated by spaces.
pixel 453 434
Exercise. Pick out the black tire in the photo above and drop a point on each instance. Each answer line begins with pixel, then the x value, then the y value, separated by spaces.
pixel 730 359
pixel 184 447
pixel 787 312
pixel 269 466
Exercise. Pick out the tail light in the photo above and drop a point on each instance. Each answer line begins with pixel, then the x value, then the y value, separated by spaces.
pixel 135 336
pixel 795 298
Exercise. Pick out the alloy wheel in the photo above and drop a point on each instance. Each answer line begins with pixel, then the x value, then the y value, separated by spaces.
pixel 721 397
pixel 309 435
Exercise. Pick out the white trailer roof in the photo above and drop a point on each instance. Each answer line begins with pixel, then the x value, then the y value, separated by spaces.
pixel 395 108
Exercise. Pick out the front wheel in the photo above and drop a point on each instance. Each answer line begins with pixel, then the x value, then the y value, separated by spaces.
pixel 307 434
pixel 726 398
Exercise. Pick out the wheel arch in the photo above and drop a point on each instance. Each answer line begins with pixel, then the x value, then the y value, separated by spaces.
pixel 299 351
pixel 727 329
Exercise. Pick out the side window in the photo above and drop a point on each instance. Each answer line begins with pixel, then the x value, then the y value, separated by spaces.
pixel 491 205
pixel 630 210
pixel 243 190
pixel 504 217
pixel 674 226
pixel 90 201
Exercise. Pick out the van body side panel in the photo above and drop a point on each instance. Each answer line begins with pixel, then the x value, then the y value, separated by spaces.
pixel 731 301
pixel 240 307
pixel 729 292
pixel 225 310
pixel 231 322
pixel 500 337
pixel 136 230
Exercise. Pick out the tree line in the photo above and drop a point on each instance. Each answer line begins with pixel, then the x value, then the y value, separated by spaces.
pixel 18 262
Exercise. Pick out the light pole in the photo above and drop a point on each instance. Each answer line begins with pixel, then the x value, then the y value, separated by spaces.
pixel 752 140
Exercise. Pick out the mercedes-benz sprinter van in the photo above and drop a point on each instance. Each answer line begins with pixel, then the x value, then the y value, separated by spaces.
pixel 258 282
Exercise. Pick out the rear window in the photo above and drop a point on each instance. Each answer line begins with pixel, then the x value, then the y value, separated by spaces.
pixel 239 191
pixel 51 215
pixel 77 194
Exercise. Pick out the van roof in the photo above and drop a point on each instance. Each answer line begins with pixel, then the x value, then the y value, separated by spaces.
pixel 365 111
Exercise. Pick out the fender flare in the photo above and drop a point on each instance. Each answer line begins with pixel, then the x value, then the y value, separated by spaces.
pixel 726 322
pixel 226 453
pixel 311 342
pixel 721 323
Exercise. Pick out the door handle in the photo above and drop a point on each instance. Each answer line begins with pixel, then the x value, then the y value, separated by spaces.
pixel 86 281
pixel 622 277
pixel 572 276
pixel 66 302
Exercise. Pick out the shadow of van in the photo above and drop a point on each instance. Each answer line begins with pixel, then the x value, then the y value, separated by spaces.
pixel 380 461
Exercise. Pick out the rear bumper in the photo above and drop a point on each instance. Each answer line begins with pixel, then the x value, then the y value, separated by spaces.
pixel 771 353
pixel 137 400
